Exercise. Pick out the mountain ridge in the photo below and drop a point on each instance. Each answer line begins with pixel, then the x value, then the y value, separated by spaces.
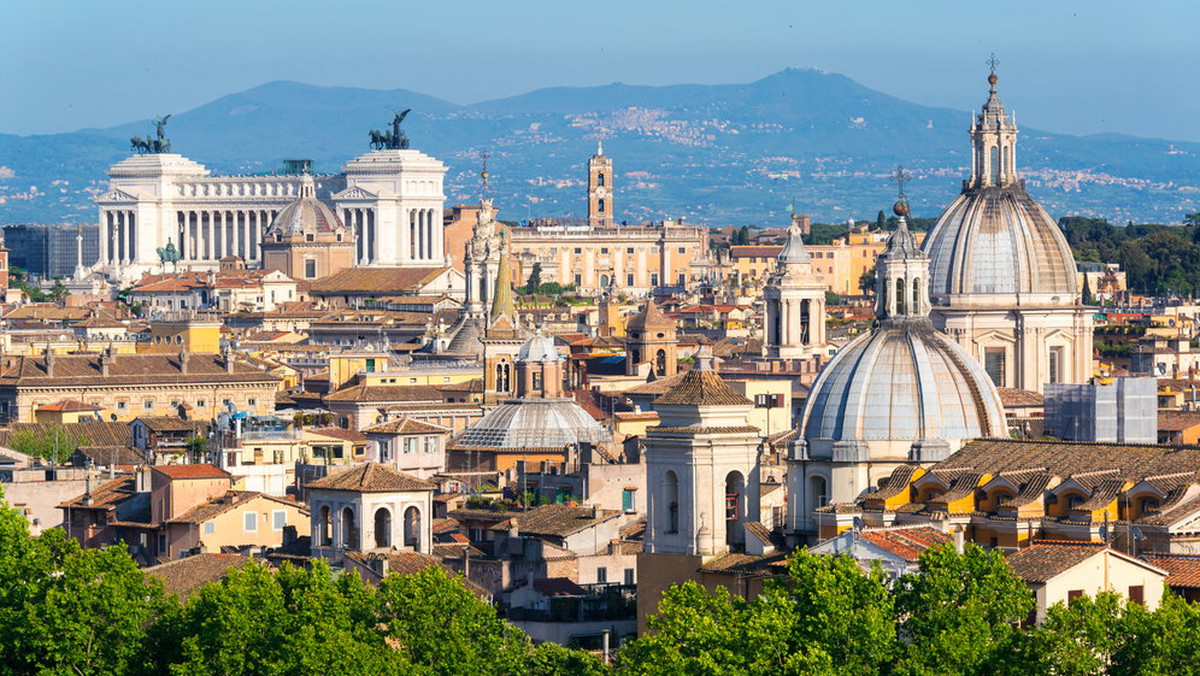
pixel 723 154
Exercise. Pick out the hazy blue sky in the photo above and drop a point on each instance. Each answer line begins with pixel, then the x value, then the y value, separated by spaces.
pixel 1067 65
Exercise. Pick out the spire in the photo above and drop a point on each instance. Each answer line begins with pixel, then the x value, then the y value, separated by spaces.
pixel 993 140
pixel 502 302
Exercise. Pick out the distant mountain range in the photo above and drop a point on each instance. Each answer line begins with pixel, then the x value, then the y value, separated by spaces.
pixel 721 154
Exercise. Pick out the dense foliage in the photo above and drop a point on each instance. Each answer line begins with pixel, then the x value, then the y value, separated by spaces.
pixel 959 615
pixel 1157 259
pixel 65 610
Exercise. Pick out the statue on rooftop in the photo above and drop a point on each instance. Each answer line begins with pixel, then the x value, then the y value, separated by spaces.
pixel 394 139
pixel 159 143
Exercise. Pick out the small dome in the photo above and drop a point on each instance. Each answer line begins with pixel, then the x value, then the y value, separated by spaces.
pixel 533 423
pixel 902 382
pixel 539 348
pixel 306 215
pixel 999 240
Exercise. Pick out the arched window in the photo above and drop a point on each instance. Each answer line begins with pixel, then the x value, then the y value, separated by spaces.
pixel 325 538
pixel 995 165
pixel 660 363
pixel 383 527
pixel 349 529
pixel 412 528
pixel 670 523
pixel 818 493
pixel 917 295
pixel 805 307
pixel 503 371
pixel 900 296
pixel 600 206
pixel 735 506
pixel 600 178
pixel 537 381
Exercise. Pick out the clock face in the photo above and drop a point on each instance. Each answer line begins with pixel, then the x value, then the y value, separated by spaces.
pixel 601 191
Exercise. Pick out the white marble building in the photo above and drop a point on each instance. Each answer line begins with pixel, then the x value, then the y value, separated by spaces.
pixel 390 199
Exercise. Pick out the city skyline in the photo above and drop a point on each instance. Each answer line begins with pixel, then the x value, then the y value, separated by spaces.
pixel 1075 67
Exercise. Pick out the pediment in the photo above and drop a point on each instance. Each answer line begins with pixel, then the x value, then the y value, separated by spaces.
pixel 116 195
pixel 355 192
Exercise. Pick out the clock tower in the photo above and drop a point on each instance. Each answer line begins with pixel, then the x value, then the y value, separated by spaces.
pixel 600 192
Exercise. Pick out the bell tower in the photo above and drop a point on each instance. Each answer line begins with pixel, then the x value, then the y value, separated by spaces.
pixel 993 141
pixel 600 192
pixel 795 298
pixel 650 337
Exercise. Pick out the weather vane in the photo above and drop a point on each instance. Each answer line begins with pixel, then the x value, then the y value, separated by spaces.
pixel 483 177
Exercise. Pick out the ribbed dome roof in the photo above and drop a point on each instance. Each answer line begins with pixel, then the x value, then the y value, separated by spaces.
pixel 539 348
pixel 306 214
pixel 903 381
pixel 533 423
pixel 999 240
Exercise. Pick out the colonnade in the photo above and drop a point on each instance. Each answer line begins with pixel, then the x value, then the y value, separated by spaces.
pixel 361 222
pixel 205 235
pixel 118 237
pixel 424 235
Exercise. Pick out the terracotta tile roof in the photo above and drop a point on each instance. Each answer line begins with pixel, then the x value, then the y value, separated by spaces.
pixel 1080 460
pixel 353 436
pixel 387 393
pixel 372 477
pixel 225 503
pixel 202 471
pixel 1043 560
pixel 758 530
pixel 657 386
pixel 409 563
pixel 375 280
pixel 744 564
pixel 699 430
pixel 1172 511
pixel 650 318
pixel 702 388
pixel 89 433
pixel 106 495
pixel 68 406
pixel 896 482
pixel 406 426
pixel 558 520
pixel 636 415
pixel 558 586
pixel 173 424
pixel 184 577
pixel 906 542
pixel 103 456
pixel 126 369
pixel 748 250
pixel 1010 396
pixel 1183 569
pixel 1177 421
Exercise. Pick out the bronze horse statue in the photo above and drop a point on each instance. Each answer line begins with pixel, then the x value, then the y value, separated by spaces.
pixel 159 143
pixel 394 139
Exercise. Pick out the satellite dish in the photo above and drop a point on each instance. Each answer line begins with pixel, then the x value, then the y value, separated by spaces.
pixel 1137 534
pixel 1104 533
pixel 858 523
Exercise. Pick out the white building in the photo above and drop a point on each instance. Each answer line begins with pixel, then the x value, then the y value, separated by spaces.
pixel 390 199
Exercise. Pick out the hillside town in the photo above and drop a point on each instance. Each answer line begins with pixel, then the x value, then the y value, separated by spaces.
pixel 574 416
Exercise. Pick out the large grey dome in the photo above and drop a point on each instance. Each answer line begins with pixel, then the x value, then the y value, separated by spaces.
pixel 999 240
pixel 533 423
pixel 902 382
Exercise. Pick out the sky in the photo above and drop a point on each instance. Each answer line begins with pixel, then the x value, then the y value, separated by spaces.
pixel 1070 66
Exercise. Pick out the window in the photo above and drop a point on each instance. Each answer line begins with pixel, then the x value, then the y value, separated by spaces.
pixel 1073 594
pixel 252 402
pixel 578 279
pixel 629 579
pixel 1137 594
pixel 682 250
pixel 600 178
pixel 199 403
pixel 210 528
pixel 278 519
pixel 629 250
pixel 601 575
pixel 683 279
pixel 310 268
pixel 121 406
pixel 1054 364
pixel 629 500
pixel 148 404
pixel 250 521
pixel 603 249
pixel 993 363
pixel 653 279
pixel 629 279
pixel 431 444
pixel 578 250
pixel 410 445
pixel 600 206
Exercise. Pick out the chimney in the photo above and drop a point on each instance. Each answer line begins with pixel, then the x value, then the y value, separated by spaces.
pixel 49 361
pixel 183 361
pixel 228 361
pixel 289 535
pixel 378 563
pixel 958 538
pixel 513 530
pixel 595 511
pixel 106 358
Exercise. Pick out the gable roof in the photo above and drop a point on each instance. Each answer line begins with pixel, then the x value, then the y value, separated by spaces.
pixel 908 543
pixel 201 471
pixel 184 577
pixel 558 520
pixel 218 506
pixel 1046 559
pixel 406 426
pixel 1183 570
pixel 375 280
pixel 372 477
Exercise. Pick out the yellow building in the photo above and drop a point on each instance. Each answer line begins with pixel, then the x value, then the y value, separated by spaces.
pixel 197 336
pixel 839 265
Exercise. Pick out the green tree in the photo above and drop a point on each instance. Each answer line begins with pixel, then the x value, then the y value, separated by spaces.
pixel 438 623
pixel 551 659
pixel 832 299
pixel 881 221
pixel 53 443
pixel 1165 641
pixel 535 278
pixel 959 612
pixel 866 282
pixel 1076 639
pixel 1088 298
